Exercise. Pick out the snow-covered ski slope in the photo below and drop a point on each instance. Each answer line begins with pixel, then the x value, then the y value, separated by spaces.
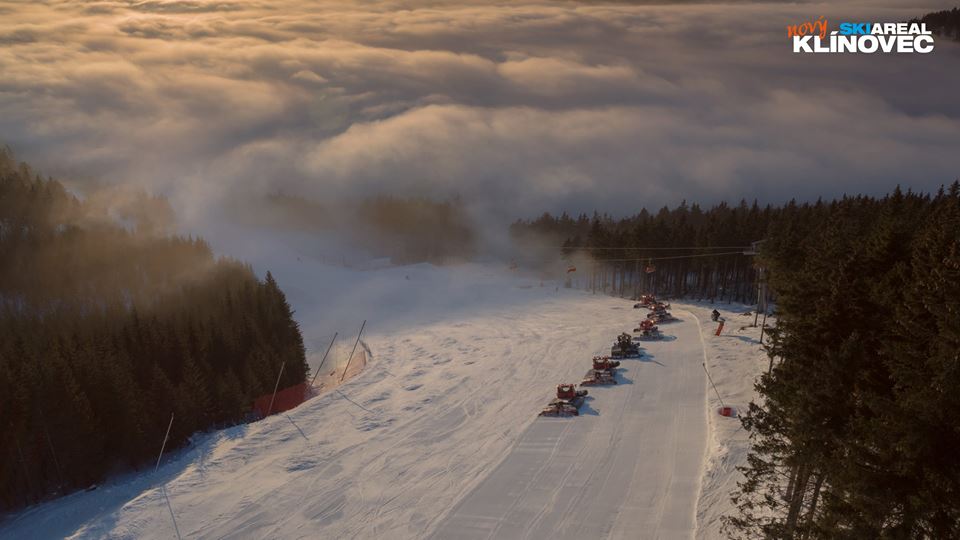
pixel 630 467
pixel 444 415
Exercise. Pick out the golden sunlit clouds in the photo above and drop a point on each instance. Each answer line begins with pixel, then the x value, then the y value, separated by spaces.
pixel 569 105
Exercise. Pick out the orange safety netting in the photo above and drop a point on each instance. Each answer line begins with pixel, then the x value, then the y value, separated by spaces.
pixel 286 399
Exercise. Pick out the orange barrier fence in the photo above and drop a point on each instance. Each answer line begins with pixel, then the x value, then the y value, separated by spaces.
pixel 286 399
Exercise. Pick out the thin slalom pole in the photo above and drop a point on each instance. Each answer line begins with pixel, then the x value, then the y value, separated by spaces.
pixel 275 387
pixel 164 445
pixel 176 528
pixel 324 358
pixel 714 385
pixel 360 333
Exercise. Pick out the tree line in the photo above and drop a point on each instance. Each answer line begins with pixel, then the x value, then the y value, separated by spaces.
pixel 856 431
pixel 685 251
pixel 105 330
pixel 944 23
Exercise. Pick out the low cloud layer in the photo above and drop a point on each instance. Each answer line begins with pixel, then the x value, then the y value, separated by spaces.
pixel 518 107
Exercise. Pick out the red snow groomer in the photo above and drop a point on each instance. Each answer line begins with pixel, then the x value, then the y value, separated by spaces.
pixel 646 300
pixel 658 318
pixel 624 347
pixel 605 363
pixel 597 377
pixel 567 402
pixel 659 314
pixel 647 331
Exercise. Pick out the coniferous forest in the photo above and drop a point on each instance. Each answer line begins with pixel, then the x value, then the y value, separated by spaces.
pixel 105 331
pixel 857 426
pixel 857 429
pixel 681 252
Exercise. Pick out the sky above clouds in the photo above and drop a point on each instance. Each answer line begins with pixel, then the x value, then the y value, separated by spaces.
pixel 516 106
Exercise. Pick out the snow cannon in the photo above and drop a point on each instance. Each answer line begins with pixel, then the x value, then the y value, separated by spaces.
pixel 605 363
pixel 598 377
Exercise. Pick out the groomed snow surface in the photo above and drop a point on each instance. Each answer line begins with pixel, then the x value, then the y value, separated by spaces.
pixel 439 435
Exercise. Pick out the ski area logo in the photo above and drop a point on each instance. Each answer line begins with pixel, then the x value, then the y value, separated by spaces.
pixel 860 37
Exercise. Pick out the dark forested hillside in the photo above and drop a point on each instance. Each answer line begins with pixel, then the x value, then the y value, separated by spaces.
pixel 104 332
pixel 944 23
pixel 857 432
pixel 685 251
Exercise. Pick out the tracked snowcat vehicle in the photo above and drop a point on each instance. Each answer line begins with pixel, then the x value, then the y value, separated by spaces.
pixel 605 363
pixel 647 331
pixel 567 402
pixel 624 347
pixel 646 300
pixel 659 314
pixel 597 377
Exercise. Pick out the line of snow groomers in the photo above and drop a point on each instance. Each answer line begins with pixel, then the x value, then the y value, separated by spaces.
pixel 569 399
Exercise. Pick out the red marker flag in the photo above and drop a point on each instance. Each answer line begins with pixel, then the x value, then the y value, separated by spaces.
pixel 572 268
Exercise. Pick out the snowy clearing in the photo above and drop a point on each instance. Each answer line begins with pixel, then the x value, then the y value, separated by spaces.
pixel 735 359
pixel 439 433
pixel 631 464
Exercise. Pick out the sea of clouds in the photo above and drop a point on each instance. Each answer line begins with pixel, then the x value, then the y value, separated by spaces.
pixel 518 107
